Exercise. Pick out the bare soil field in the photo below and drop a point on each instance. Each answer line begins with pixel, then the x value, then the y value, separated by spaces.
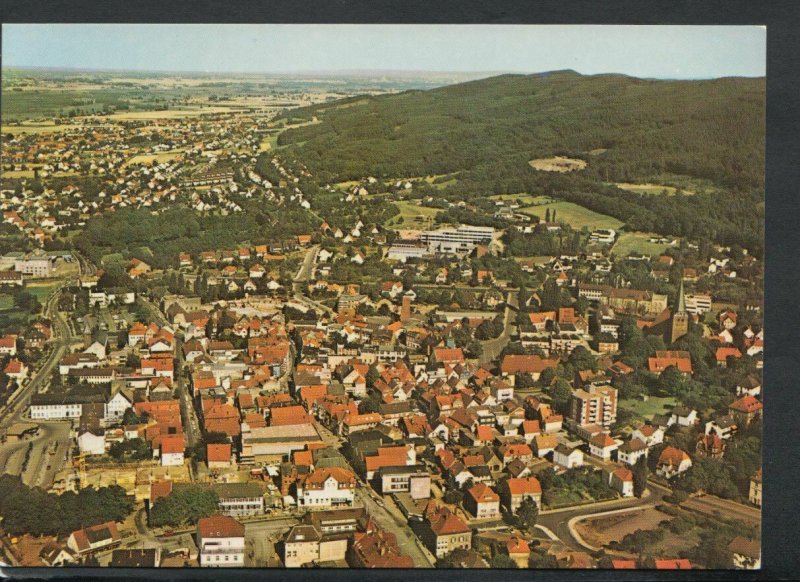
pixel 601 531
pixel 557 164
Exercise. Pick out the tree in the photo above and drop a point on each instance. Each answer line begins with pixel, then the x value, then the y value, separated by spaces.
pixel 560 394
pixel 503 561
pixel 640 472
pixel 528 513
pixel 187 504
pixel 551 295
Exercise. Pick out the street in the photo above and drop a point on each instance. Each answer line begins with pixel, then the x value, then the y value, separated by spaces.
pixel 491 348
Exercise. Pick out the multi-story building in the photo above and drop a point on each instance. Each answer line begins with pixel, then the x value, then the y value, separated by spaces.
pixel 443 531
pixel 459 240
pixel 598 406
pixel 240 499
pixel 697 303
pixel 327 487
pixel 220 539
pixel 36 265
pixel 414 479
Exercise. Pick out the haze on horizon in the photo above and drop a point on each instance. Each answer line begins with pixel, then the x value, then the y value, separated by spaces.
pixel 675 52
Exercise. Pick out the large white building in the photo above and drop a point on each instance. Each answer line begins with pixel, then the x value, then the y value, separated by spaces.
pixel 220 539
pixel 697 304
pixel 36 264
pixel 329 487
pixel 456 240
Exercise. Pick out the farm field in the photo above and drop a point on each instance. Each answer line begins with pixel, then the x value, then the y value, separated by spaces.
pixel 649 188
pixel 629 242
pixel 412 216
pixel 38 128
pixel 168 113
pixel 557 164
pixel 653 405
pixel 576 216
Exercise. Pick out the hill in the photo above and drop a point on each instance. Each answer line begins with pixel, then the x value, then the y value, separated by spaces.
pixel 627 129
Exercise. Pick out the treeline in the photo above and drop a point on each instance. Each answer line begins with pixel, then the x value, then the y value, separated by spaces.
pixel 711 129
pixel 34 511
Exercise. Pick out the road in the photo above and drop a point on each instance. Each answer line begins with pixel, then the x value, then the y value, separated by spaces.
pixel 558 520
pixel 188 413
pixel 491 348
pixel 389 521
pixel 304 273
pixel 260 540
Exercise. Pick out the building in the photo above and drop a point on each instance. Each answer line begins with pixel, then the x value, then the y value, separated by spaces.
pixel 276 443
pixel 461 240
pixel 745 410
pixel 755 489
pixel 327 487
pixel 602 445
pixel 443 531
pixel 672 461
pixel 305 545
pixel 143 558
pixel 567 457
pixel 746 553
pixel 36 265
pixel 697 304
pixel 598 406
pixel 376 548
pixel 413 479
pixel 516 490
pixel 631 451
pixel 621 480
pixel 171 450
pixel 91 539
pixel 482 502
pixel 220 539
pixel 240 499
pixel 680 319
pixel 402 250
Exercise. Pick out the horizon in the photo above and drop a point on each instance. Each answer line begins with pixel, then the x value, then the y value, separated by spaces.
pixel 645 52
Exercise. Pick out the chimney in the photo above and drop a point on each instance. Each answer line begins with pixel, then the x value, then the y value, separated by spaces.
pixel 405 310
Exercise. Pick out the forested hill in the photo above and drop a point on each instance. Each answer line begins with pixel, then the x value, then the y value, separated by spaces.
pixel 628 129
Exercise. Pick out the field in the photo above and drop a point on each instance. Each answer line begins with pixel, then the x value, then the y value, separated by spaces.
pixel 412 216
pixel 149 158
pixel 6 302
pixel 38 128
pixel 654 405
pixel 557 164
pixel 576 216
pixel 629 242
pixel 168 113
pixel 649 188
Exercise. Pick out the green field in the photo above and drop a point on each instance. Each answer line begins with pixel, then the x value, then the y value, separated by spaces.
pixel 629 242
pixel 6 302
pixel 42 291
pixel 412 216
pixel 525 199
pixel 649 188
pixel 576 216
pixel 654 405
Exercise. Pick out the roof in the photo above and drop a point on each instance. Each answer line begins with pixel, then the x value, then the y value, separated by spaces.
pixel 95 534
pixel 623 474
pixel 220 526
pixel 146 558
pixel 524 486
pixel 526 364
pixel 623 564
pixel 159 489
pixel 482 493
pixel 673 564
pixel 444 522
pixel 218 453
pixel 745 547
pixel 747 404
pixel 672 456
pixel 172 444
pixel 603 440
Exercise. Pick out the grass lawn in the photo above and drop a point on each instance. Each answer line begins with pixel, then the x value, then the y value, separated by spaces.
pixel 628 242
pixel 576 216
pixel 654 405
pixel 412 216
pixel 6 302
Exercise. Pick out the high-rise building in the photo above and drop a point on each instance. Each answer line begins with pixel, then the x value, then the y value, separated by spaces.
pixel 597 405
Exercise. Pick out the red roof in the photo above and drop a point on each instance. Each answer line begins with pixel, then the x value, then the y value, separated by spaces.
pixel 673 564
pixel 624 564
pixel 603 440
pixel 525 485
pixel 220 526
pixel 159 489
pixel 516 364
pixel 288 415
pixel 218 453
pixel 172 444
pixel 448 354
pixel 747 404
pixel 724 353
pixel 482 493
pixel 659 364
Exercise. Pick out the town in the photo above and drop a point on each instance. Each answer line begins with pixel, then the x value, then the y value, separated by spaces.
pixel 214 355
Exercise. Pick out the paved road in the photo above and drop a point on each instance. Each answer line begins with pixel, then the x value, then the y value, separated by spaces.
pixel 188 413
pixel 304 273
pixel 558 521
pixel 491 348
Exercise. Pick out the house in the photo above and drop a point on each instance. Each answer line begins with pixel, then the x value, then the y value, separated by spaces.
pixel 683 416
pixel 631 451
pixel 16 369
pixel 745 410
pixel 673 564
pixel 306 545
pixel 92 442
pixel 515 490
pixel 333 486
pixel 544 444
pixel 413 479
pixel 724 427
pixel 53 554
pixel 171 450
pixel 567 457
pixel 672 461
pixel 376 548
pixel 746 553
pixel 755 489
pixel 240 499
pixel 664 359
pixel 518 550
pixel 602 445
pixel 139 558
pixel 220 539
pixel 621 480
pixel 91 539
pixel 482 502
pixel 444 531
pixel 649 434
pixel 724 353
pixel 218 456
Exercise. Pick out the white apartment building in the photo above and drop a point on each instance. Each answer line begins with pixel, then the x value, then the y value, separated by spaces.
pixel 220 539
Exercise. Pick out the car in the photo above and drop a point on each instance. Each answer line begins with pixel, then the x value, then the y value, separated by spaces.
pixel 169 533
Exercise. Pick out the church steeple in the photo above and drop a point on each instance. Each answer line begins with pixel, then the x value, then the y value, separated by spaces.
pixel 681 300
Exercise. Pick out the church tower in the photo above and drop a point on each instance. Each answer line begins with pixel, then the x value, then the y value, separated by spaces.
pixel 680 319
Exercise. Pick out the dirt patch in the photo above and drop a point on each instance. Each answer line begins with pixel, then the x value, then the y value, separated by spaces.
pixel 601 531
pixel 557 164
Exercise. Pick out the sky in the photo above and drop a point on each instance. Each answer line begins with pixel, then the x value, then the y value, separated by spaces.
pixel 678 52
